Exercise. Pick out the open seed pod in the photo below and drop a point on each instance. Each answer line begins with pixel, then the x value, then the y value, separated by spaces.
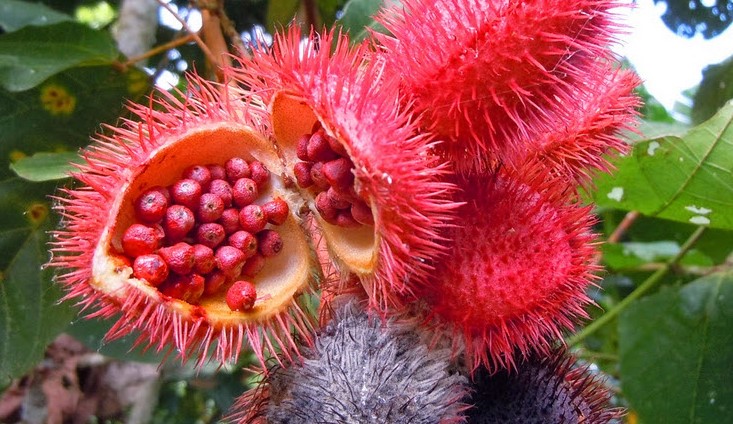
pixel 183 226
pixel 375 188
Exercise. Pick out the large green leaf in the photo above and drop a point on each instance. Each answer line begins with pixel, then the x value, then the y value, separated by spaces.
pixel 16 14
pixel 31 121
pixel 45 166
pixel 30 315
pixel 676 353
pixel 714 91
pixel 687 178
pixel 32 54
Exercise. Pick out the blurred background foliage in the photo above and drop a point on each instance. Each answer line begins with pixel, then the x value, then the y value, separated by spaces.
pixel 662 331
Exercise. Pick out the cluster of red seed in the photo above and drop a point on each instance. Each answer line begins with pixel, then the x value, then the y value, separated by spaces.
pixel 204 232
pixel 327 170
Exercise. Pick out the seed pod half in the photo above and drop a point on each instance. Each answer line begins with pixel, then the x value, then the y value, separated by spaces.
pixel 360 142
pixel 206 130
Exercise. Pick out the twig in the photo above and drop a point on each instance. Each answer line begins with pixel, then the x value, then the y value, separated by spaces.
pixel 311 14
pixel 623 226
pixel 210 56
pixel 214 38
pixel 644 287
pixel 160 49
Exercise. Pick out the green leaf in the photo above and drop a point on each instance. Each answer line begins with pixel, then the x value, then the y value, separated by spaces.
pixel 16 14
pixel 687 178
pixel 676 353
pixel 30 315
pixel 32 54
pixel 358 18
pixel 714 91
pixel 633 254
pixel 31 121
pixel 46 166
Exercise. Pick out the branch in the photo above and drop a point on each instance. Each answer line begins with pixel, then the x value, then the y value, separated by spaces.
pixel 643 288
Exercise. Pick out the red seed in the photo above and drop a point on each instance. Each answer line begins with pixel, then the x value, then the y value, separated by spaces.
pixel 211 206
pixel 187 193
pixel 179 257
pixel 254 265
pixel 230 220
pixel 252 218
pixel 217 172
pixel 140 240
pixel 237 168
pixel 244 192
pixel 336 146
pixel 150 206
pixel 187 288
pixel 276 211
pixel 164 191
pixel 214 281
pixel 344 219
pixel 337 199
pixel 324 207
pixel 151 268
pixel 230 260
pixel 222 189
pixel 244 241
pixel 338 173
pixel 198 173
pixel 302 147
pixel 270 243
pixel 318 149
pixel 260 174
pixel 241 296
pixel 317 176
pixel 362 213
pixel 203 259
pixel 302 171
pixel 178 221
pixel 210 234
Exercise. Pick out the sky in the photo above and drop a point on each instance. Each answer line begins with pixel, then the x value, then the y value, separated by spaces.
pixel 668 63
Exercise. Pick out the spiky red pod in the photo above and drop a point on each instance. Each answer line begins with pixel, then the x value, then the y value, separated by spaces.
pixel 518 268
pixel 487 75
pixel 325 90
pixel 542 390
pixel 573 149
pixel 171 136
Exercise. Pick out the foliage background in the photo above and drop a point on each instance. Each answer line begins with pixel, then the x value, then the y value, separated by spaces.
pixel 662 332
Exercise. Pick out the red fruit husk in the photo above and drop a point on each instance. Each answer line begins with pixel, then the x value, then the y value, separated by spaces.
pixel 487 77
pixel 173 134
pixel 519 266
pixel 395 170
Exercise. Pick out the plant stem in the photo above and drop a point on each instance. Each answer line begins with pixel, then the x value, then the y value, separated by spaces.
pixel 644 287
pixel 159 49
pixel 623 226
